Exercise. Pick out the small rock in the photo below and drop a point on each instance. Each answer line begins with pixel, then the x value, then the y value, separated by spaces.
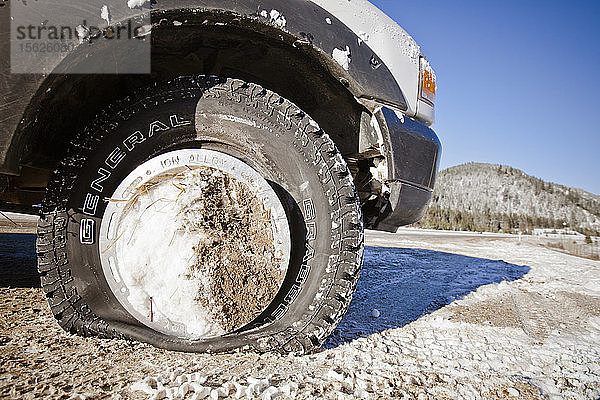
pixel 375 313
pixel 198 377
pixel 228 388
pixel 185 388
pixel 362 385
pixel 181 379
pixel 178 371
pixel 289 389
pixel 258 385
pixel 412 380
pixel 270 393
pixel 240 390
pixel 513 392
pixel 173 393
pixel 200 392
pixel 285 390
pixel 334 376
pixel 252 390
pixel 152 382
pixel 149 385
pixel 160 394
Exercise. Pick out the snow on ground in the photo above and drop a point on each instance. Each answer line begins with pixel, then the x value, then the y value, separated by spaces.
pixel 527 327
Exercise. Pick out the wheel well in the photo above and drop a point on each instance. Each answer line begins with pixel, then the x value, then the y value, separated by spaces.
pixel 210 43
pixel 234 50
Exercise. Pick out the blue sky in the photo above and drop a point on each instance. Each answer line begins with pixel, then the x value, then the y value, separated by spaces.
pixel 518 82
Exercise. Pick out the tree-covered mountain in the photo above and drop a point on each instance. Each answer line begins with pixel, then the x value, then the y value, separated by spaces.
pixel 486 197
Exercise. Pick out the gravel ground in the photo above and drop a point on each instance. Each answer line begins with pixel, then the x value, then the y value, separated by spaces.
pixel 435 316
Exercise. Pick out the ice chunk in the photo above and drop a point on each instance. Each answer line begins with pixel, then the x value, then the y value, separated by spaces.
pixel 363 37
pixel 278 19
pixel 105 14
pixel 83 33
pixel 136 3
pixel 343 57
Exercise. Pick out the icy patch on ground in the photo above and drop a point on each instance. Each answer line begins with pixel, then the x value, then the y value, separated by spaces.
pixel 396 276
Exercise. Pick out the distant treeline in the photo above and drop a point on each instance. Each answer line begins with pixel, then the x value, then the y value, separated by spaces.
pixel 438 218
pixel 494 198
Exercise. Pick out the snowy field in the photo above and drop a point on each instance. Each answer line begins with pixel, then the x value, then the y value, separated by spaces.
pixel 436 315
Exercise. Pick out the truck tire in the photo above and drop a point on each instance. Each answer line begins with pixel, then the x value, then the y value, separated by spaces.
pixel 218 190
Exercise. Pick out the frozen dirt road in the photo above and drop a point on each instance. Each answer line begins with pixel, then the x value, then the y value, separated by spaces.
pixel 435 316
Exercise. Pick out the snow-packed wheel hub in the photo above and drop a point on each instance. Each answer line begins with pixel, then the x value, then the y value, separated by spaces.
pixel 194 243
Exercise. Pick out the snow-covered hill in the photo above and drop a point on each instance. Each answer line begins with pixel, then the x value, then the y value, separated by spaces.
pixel 488 197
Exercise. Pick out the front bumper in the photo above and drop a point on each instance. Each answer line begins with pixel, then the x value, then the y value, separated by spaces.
pixel 412 152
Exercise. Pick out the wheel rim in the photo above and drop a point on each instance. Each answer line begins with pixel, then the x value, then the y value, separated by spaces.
pixel 194 243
